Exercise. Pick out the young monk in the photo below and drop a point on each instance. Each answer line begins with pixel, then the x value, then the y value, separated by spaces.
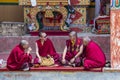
pixel 45 48
pixel 73 50
pixel 94 57
pixel 20 57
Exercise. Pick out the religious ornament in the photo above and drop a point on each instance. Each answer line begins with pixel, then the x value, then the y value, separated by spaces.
pixel 48 12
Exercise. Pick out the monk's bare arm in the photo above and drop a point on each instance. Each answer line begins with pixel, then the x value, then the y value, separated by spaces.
pixel 37 53
pixel 64 52
pixel 80 52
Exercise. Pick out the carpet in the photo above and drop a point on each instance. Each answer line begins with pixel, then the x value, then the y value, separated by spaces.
pixel 61 68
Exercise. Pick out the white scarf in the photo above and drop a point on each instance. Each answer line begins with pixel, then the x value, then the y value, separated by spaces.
pixel 33 2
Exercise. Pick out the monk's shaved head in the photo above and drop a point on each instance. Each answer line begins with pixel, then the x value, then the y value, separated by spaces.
pixel 24 42
pixel 42 34
pixel 86 39
pixel 73 33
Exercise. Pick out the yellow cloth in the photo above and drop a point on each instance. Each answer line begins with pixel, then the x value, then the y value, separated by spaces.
pixel 47 61
pixel 73 42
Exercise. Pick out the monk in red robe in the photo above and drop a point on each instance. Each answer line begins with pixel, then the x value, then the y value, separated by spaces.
pixel 20 57
pixel 72 51
pixel 45 48
pixel 93 57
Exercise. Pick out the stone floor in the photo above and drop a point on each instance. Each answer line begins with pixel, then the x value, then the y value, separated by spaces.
pixel 59 76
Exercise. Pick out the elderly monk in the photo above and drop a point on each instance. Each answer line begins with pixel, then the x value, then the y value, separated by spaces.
pixel 20 58
pixel 93 56
pixel 45 48
pixel 72 51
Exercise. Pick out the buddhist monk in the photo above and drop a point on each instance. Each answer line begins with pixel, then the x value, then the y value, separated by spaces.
pixel 45 48
pixel 20 58
pixel 93 57
pixel 72 51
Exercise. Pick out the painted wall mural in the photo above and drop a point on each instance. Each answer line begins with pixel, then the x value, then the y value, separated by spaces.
pixel 42 17
pixel 115 38
pixel 115 4
pixel 57 14
pixel 115 33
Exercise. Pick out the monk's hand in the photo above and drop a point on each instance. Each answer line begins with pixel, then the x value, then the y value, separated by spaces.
pixel 63 61
pixel 40 60
pixel 29 50
pixel 72 60
pixel 48 56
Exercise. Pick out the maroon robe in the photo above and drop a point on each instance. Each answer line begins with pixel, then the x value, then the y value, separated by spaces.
pixel 72 51
pixel 17 58
pixel 47 49
pixel 94 57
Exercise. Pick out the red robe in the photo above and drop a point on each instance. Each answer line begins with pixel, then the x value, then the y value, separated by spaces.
pixel 17 58
pixel 72 51
pixel 47 49
pixel 94 57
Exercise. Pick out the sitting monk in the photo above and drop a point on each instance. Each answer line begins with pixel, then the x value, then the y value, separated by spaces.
pixel 45 50
pixel 72 51
pixel 20 58
pixel 93 56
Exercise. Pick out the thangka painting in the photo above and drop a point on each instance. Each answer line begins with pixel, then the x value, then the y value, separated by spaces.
pixel 57 17
pixel 54 14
